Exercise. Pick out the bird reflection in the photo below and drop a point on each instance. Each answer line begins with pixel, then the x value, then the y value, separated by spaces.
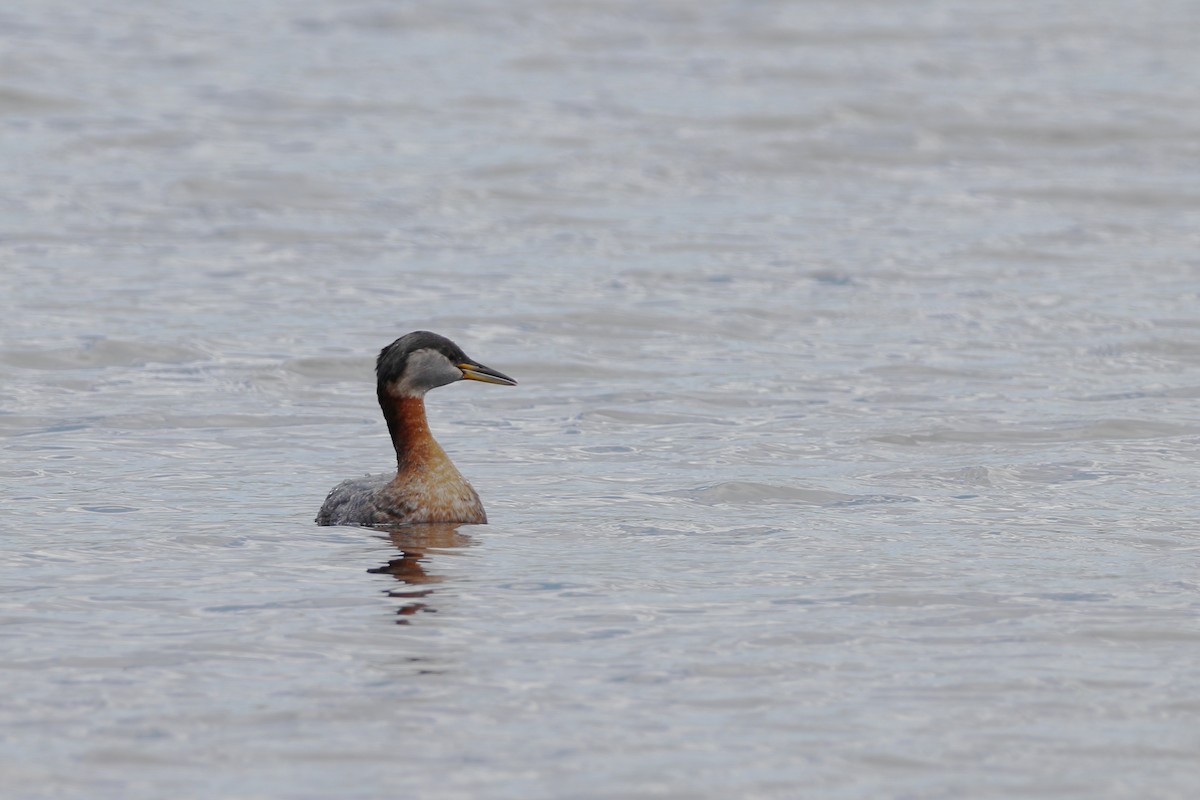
pixel 416 543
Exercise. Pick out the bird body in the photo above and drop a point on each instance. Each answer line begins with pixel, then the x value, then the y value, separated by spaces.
pixel 426 487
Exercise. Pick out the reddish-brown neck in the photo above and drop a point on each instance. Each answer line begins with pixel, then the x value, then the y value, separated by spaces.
pixel 410 431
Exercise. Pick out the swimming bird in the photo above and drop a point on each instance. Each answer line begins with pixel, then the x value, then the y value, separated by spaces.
pixel 426 486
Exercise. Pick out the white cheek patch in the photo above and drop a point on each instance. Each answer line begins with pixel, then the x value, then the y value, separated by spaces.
pixel 425 370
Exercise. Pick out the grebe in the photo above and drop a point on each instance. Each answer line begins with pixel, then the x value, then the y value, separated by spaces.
pixel 426 486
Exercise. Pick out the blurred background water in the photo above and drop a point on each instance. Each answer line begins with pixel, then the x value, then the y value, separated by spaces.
pixel 854 448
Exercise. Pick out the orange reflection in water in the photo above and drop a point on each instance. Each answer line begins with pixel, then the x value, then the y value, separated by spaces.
pixel 416 544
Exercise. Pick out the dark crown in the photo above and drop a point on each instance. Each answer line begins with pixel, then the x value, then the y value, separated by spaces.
pixel 394 358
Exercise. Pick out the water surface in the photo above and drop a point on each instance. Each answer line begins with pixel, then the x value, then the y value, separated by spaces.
pixel 854 448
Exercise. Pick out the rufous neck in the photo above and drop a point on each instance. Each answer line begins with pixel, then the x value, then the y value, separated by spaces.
pixel 409 429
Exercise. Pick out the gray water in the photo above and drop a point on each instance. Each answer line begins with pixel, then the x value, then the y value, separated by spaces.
pixel 854 451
